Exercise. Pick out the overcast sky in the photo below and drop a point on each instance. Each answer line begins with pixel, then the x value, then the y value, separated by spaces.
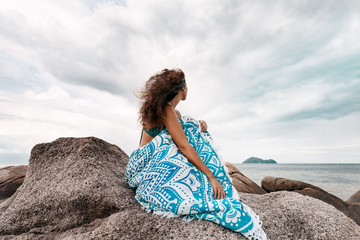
pixel 273 79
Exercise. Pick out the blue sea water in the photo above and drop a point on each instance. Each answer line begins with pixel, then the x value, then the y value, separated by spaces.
pixel 341 180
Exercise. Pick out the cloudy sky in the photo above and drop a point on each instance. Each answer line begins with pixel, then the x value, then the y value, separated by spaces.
pixel 273 79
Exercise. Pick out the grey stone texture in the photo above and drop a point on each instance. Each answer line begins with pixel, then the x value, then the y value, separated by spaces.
pixel 350 209
pixel 75 189
pixel 241 182
pixel 11 178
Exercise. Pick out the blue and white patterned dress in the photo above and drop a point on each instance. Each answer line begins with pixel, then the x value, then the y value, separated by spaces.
pixel 168 184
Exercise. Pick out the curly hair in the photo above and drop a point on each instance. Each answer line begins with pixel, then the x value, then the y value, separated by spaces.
pixel 159 89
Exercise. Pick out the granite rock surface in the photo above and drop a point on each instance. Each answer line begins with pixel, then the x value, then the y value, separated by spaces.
pixel 355 198
pixel 241 182
pixel 75 189
pixel 350 209
pixel 11 178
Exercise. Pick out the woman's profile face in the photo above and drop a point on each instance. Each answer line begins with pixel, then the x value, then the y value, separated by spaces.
pixel 184 92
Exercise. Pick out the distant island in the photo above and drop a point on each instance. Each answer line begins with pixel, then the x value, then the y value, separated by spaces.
pixel 258 160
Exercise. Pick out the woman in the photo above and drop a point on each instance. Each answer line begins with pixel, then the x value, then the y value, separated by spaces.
pixel 176 170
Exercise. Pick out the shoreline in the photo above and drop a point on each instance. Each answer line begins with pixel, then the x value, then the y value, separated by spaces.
pixel 341 180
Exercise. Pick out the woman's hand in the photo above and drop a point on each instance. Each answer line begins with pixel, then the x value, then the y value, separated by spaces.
pixel 203 125
pixel 219 192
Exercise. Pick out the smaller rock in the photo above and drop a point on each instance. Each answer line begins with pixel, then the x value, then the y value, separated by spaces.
pixel 11 178
pixel 355 198
pixel 241 182
pixel 273 184
pixel 289 215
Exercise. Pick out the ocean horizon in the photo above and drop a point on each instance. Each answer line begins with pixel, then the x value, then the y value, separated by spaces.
pixel 339 179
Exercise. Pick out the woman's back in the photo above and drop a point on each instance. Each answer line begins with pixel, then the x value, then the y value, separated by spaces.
pixel 149 132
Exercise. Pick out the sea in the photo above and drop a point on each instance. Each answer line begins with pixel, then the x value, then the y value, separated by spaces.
pixel 341 180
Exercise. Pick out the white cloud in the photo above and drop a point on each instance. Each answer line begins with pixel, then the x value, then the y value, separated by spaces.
pixel 33 117
pixel 255 71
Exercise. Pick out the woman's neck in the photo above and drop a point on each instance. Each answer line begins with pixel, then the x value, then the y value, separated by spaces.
pixel 175 100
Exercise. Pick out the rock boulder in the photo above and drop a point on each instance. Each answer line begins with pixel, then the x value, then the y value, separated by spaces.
pixel 69 182
pixel 272 184
pixel 355 198
pixel 241 182
pixel 11 178
pixel 75 189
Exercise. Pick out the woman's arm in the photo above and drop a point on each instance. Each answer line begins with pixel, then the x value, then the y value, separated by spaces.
pixel 178 135
pixel 178 114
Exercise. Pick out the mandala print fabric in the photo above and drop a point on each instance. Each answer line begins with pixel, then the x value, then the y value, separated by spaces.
pixel 168 184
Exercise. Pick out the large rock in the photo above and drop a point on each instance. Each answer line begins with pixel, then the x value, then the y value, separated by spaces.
pixel 241 182
pixel 272 184
pixel 11 178
pixel 355 198
pixel 289 215
pixel 69 182
pixel 75 189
